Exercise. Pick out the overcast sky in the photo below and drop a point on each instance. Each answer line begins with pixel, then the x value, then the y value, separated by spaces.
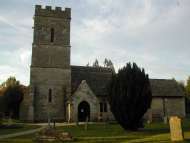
pixel 153 33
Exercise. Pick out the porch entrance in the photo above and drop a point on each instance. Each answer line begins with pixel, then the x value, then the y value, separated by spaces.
pixel 83 111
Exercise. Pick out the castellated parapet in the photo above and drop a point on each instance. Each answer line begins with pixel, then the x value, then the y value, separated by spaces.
pixel 49 12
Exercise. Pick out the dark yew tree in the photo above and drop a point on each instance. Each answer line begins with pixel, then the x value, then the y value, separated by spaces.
pixel 130 96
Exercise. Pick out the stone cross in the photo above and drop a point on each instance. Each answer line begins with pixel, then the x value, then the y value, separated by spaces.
pixel 176 129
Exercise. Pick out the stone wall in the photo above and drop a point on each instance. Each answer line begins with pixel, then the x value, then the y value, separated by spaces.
pixel 46 56
pixel 106 116
pixel 157 108
pixel 26 108
pixel 172 106
pixel 84 93
pixel 175 107
pixel 49 12
pixel 58 80
pixel 50 67
pixel 45 52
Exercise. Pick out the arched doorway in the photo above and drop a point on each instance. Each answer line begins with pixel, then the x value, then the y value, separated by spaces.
pixel 83 111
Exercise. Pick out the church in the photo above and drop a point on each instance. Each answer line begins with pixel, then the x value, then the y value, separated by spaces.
pixel 67 93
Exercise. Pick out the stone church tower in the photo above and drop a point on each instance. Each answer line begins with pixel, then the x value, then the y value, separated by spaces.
pixel 50 79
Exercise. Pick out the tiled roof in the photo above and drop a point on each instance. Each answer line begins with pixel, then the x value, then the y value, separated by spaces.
pixel 98 78
pixel 165 87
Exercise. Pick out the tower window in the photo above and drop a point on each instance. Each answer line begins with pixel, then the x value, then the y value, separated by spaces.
pixel 52 35
pixel 50 96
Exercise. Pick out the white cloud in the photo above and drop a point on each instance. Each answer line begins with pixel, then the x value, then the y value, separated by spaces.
pixel 154 34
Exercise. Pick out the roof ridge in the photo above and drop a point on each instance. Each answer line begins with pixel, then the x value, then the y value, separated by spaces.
pixel 161 79
pixel 90 67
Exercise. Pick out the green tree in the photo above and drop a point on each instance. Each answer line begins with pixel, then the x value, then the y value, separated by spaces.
pixel 87 65
pixel 130 96
pixel 96 63
pixel 105 62
pixel 187 96
pixel 11 81
pixel 12 97
pixel 182 86
pixel 187 88
pixel 109 64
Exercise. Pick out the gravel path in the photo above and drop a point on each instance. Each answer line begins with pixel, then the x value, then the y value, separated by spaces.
pixel 21 133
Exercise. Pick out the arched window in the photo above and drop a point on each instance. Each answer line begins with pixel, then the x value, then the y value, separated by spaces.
pixel 52 35
pixel 50 96
pixel 103 107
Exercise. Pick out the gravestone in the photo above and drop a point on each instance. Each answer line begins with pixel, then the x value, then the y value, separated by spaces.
pixel 176 129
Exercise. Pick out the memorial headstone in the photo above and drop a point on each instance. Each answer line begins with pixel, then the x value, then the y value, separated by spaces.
pixel 176 129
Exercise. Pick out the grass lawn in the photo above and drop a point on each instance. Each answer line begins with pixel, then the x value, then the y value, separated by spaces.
pixel 20 128
pixel 155 132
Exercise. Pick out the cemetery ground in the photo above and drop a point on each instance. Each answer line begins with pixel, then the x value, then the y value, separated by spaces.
pixel 15 127
pixel 100 132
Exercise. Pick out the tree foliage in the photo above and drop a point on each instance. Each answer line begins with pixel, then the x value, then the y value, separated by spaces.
pixel 96 63
pixel 12 97
pixel 181 85
pixel 187 88
pixel 187 96
pixel 87 65
pixel 105 62
pixel 109 64
pixel 130 96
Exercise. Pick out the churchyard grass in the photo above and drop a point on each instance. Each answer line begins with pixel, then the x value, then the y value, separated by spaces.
pixel 17 126
pixel 154 132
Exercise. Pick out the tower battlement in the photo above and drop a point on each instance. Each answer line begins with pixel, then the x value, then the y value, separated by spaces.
pixel 48 11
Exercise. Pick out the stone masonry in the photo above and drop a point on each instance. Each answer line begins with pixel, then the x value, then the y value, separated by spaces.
pixel 50 68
